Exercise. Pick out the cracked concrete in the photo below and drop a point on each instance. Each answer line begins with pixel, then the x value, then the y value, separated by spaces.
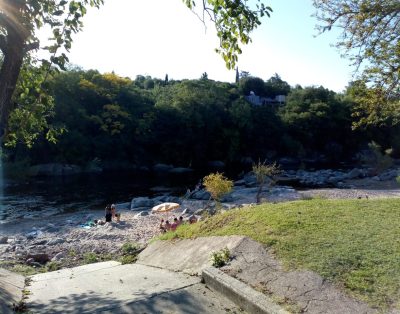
pixel 305 291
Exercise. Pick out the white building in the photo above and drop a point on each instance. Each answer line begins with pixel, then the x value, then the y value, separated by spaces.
pixel 255 100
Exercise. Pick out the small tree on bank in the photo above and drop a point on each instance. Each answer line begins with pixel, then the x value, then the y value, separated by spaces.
pixel 217 185
pixel 263 172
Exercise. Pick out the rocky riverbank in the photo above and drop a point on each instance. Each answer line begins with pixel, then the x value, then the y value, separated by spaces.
pixel 70 239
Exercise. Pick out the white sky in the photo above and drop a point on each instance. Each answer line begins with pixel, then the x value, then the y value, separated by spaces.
pixel 156 37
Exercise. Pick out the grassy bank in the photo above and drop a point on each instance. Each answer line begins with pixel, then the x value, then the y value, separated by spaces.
pixel 354 243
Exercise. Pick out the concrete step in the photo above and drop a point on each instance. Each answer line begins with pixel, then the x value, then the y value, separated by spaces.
pixel 113 288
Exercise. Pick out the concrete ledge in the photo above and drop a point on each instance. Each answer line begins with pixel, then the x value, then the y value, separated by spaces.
pixel 11 286
pixel 246 297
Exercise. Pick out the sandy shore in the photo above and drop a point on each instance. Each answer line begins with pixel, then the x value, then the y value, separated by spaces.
pixel 65 239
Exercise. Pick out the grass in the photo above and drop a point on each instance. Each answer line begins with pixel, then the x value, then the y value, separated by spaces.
pixel 354 243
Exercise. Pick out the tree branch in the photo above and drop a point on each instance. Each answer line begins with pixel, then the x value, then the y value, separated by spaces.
pixel 31 46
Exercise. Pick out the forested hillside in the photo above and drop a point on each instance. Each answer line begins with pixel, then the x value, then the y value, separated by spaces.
pixel 113 120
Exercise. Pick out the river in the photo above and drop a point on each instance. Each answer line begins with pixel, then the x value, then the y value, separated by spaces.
pixel 52 195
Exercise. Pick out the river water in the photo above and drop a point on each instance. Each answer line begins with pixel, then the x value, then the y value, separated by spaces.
pixel 49 196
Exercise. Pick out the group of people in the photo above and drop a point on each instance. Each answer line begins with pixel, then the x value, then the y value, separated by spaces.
pixel 111 213
pixel 167 226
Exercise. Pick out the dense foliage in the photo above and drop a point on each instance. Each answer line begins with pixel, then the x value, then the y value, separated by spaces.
pixel 370 38
pixel 116 121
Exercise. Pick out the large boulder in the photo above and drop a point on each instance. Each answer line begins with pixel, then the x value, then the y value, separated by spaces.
pixel 355 173
pixel 141 202
pixel 180 170
pixel 41 258
pixel 200 195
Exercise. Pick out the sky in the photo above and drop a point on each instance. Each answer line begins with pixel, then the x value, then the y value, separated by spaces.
pixel 159 37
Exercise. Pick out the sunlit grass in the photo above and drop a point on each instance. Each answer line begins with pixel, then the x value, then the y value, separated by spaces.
pixel 354 243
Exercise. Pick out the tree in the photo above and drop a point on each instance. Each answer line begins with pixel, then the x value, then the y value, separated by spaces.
pixel 276 86
pixel 234 20
pixel 19 22
pixel 264 171
pixel 370 38
pixel 252 84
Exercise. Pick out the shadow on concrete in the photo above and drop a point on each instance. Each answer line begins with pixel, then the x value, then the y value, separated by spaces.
pixel 178 301
pixel 6 301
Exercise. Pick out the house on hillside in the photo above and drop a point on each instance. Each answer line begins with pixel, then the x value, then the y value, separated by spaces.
pixel 255 100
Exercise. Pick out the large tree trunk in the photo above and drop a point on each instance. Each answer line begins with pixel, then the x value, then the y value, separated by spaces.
pixel 11 67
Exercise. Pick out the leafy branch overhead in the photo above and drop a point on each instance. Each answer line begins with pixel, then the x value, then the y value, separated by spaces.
pixel 370 37
pixel 20 21
pixel 234 21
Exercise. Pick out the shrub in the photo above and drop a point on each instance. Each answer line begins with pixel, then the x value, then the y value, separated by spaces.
pixel 263 171
pixel 220 258
pixel 129 248
pixel 90 258
pixel 53 266
pixel 217 185
pixel 128 259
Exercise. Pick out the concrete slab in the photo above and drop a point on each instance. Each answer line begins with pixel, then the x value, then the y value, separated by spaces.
pixel 11 286
pixel 240 293
pixel 113 288
pixel 190 256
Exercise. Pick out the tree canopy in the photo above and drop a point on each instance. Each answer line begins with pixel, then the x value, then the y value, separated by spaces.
pixel 370 38
pixel 21 19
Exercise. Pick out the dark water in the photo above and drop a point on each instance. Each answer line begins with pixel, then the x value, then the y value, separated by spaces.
pixel 49 196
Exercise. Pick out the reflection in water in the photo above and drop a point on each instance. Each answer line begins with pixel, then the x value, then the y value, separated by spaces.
pixel 35 198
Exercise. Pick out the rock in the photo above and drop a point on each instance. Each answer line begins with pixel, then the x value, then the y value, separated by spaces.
pixel 239 182
pixel 376 178
pixel 56 241
pixel 167 199
pixel 59 256
pixel 40 242
pixel 141 202
pixel 354 174
pixel 388 175
pixel 180 170
pixel 31 235
pixel 141 214
pixel 250 179
pixel 289 162
pixel 41 258
pixel 227 198
pixel 122 206
pixel 3 240
pixel 201 195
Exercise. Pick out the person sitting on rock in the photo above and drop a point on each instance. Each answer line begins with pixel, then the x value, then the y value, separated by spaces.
pixel 162 226
pixel 108 213
pixel 192 219
pixel 174 224
pixel 167 226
